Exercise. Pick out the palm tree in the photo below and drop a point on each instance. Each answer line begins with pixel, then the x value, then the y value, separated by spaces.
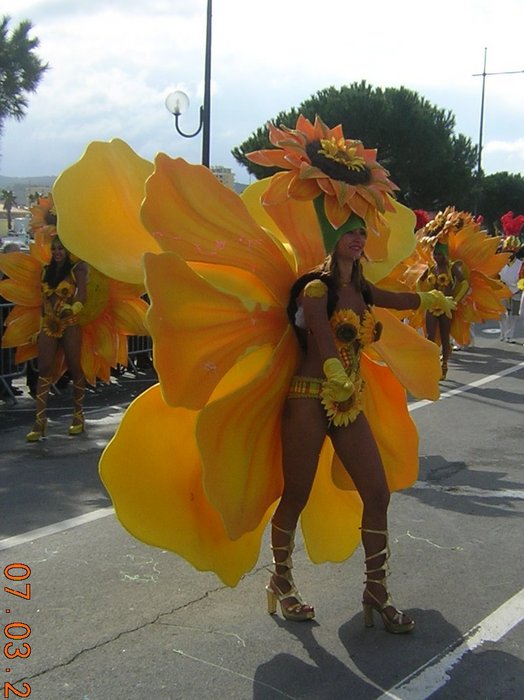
pixel 9 199
pixel 20 68
pixel 33 197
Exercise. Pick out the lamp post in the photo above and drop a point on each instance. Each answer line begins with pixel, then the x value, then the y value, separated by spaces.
pixel 177 102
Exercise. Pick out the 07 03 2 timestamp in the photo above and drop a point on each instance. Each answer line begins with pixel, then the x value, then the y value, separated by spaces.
pixel 15 632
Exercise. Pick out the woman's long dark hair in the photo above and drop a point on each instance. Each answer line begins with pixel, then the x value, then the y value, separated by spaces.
pixel 53 274
pixel 328 273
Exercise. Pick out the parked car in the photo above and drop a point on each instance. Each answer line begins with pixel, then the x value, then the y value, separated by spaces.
pixel 21 238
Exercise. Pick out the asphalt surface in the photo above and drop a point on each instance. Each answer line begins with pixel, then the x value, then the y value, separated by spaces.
pixel 111 618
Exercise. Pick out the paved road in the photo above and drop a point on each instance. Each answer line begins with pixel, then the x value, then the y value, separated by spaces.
pixel 112 618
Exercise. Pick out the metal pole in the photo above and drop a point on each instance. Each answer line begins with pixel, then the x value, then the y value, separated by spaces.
pixel 479 161
pixel 481 132
pixel 206 115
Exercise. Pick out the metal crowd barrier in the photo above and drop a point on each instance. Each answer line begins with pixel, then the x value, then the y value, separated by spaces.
pixel 9 370
pixel 140 357
pixel 139 353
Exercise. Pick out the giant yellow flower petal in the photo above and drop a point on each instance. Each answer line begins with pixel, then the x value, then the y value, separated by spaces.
pixel 399 240
pixel 215 229
pixel 104 227
pixel 302 238
pixel 23 283
pixel 239 440
pixel 128 316
pixel 385 406
pixel 331 519
pixel 20 327
pixel 413 359
pixel 165 505
pixel 199 331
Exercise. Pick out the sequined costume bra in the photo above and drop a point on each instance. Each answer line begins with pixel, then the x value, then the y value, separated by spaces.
pixel 56 312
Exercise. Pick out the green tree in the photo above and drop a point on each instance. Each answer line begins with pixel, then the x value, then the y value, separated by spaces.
pixel 415 141
pixel 20 69
pixel 9 199
pixel 500 193
pixel 33 197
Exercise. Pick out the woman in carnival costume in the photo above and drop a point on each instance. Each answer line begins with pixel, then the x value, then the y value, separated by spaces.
pixel 331 309
pixel 453 254
pixel 447 277
pixel 67 314
pixel 219 270
pixel 64 293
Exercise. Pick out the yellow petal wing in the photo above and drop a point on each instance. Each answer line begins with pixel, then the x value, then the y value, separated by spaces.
pixel 98 203
pixel 199 331
pixel 165 504
pixel 216 228
pixel 239 440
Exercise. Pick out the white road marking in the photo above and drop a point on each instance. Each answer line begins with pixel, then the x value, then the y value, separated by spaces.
pixel 427 679
pixel 53 529
pixel 467 387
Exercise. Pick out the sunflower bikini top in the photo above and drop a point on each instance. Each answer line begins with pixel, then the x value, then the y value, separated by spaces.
pixel 351 331
pixel 64 290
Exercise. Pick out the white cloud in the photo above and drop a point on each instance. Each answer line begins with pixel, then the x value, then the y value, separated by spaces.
pixel 112 64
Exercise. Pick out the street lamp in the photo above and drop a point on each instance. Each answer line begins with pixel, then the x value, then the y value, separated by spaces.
pixel 178 102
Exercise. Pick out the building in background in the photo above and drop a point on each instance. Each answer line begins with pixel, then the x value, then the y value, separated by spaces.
pixel 224 175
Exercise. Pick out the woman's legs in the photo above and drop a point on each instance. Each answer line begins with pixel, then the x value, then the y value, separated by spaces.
pixel 443 325
pixel 46 352
pixel 358 451
pixel 72 341
pixel 303 433
pixel 445 332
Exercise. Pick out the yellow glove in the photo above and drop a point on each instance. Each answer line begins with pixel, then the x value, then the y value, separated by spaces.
pixel 435 302
pixel 520 284
pixel 338 386
pixel 460 290
pixel 67 311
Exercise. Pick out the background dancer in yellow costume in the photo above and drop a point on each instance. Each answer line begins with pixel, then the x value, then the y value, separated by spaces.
pixel 64 292
pixel 447 277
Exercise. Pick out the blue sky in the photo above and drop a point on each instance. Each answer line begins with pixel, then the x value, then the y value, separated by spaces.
pixel 113 62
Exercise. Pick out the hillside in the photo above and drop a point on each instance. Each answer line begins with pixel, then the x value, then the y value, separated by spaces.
pixel 21 186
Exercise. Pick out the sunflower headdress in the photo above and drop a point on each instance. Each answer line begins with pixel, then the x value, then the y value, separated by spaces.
pixel 339 175
pixel 43 220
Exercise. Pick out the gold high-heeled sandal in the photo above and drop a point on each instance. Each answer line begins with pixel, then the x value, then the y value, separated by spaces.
pixel 298 611
pixel 392 624
pixel 444 368
pixel 37 432
pixel 77 427
pixel 40 426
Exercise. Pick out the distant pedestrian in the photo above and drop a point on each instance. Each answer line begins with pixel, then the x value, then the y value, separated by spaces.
pixel 510 275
